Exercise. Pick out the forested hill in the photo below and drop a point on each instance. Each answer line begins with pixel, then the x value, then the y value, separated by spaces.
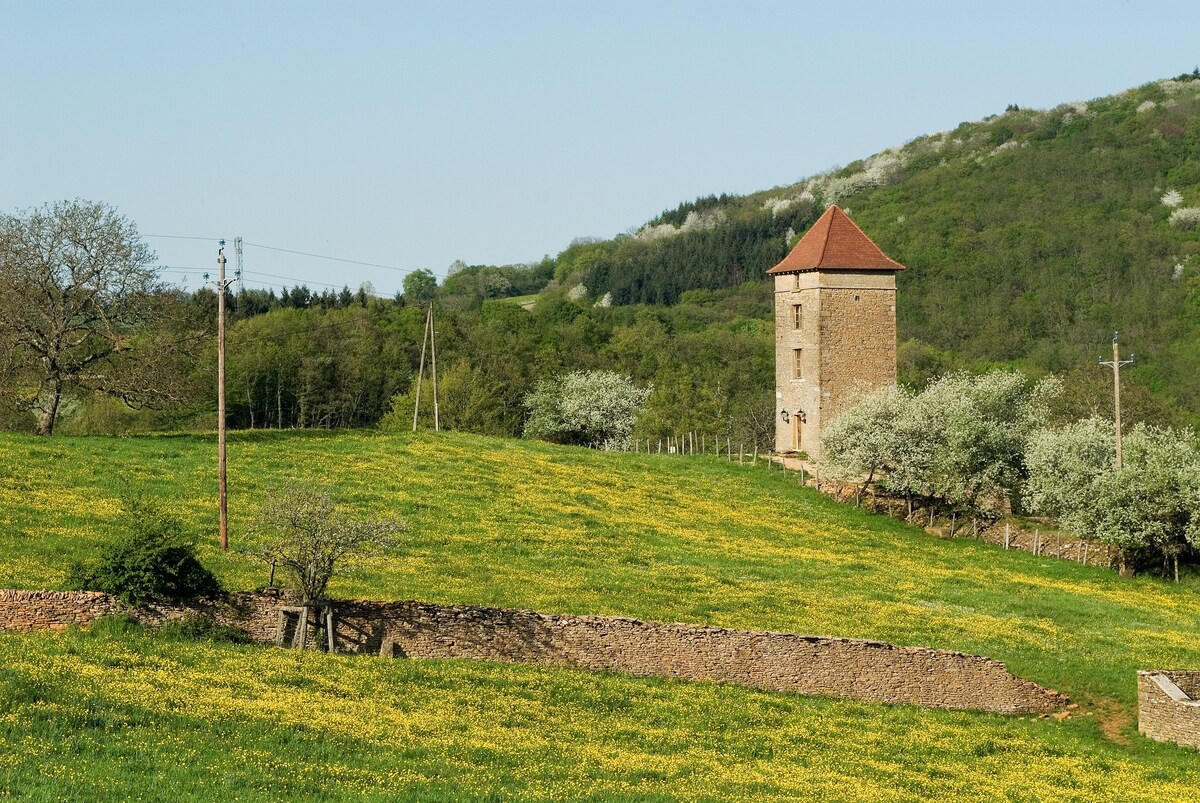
pixel 1030 236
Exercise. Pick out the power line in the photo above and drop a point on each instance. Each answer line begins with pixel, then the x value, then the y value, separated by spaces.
pixel 272 285
pixel 290 251
pixel 178 269
pixel 333 259
pixel 181 237
pixel 294 279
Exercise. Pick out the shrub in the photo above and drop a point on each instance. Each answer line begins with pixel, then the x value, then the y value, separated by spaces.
pixel 202 628
pixel 152 561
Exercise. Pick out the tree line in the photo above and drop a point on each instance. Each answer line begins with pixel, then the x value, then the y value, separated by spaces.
pixel 94 342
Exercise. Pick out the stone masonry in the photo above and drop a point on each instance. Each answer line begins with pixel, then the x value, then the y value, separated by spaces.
pixel 847 341
pixel 864 670
pixel 835 328
pixel 27 611
pixel 1169 706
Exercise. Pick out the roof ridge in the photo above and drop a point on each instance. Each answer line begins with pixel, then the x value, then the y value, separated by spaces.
pixel 829 210
pixel 828 244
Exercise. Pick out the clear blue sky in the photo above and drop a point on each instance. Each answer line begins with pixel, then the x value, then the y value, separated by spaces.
pixel 414 134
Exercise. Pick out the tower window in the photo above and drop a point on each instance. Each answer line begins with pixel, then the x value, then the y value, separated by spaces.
pixel 797 364
pixel 797 315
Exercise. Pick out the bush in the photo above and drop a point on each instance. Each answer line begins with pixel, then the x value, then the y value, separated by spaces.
pixel 153 561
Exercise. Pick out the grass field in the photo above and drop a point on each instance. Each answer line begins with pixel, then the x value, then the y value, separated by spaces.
pixel 528 525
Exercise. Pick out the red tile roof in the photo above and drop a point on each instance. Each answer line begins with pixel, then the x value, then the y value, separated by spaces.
pixel 835 242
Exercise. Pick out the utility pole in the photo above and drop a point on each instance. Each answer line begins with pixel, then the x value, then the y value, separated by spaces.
pixel 437 426
pixel 1116 364
pixel 421 369
pixel 237 255
pixel 222 493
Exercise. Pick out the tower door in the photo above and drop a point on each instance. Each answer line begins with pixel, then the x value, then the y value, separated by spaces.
pixel 797 430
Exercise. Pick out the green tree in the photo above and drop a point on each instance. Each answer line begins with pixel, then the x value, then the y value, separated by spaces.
pixel 420 287
pixel 78 299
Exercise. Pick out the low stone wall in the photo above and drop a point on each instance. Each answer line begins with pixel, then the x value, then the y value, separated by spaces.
pixel 864 670
pixel 26 611
pixel 1169 706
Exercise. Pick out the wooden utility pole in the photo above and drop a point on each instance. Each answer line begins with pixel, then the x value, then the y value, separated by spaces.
pixel 1116 364
pixel 431 339
pixel 222 490
pixel 437 426
pixel 421 369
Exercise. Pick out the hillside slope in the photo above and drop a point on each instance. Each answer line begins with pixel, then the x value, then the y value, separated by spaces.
pixel 558 529
pixel 567 530
pixel 529 525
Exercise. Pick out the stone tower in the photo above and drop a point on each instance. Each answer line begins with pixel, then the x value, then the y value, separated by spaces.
pixel 835 328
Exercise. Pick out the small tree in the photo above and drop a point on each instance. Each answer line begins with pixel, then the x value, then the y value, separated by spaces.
pixel 302 531
pixel 585 408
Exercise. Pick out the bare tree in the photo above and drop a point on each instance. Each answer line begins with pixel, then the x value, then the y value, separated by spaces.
pixel 77 293
pixel 302 531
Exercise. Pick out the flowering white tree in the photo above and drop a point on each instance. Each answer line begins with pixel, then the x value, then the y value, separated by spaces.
pixel 586 408
pixel 959 442
pixel 1151 504
pixel 1171 198
pixel 1064 464
pixel 867 441
pixel 980 425
pixel 1186 218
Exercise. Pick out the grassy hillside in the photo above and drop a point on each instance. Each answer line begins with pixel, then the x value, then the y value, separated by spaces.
pixel 116 717
pixel 518 524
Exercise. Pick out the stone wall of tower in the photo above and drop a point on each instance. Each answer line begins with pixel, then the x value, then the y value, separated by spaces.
pixel 848 342
pixel 797 397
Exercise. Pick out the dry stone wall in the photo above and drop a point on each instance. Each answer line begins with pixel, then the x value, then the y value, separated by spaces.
pixel 864 670
pixel 27 611
pixel 1169 706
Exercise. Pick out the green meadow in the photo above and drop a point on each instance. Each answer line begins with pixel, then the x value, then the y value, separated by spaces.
pixel 529 525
